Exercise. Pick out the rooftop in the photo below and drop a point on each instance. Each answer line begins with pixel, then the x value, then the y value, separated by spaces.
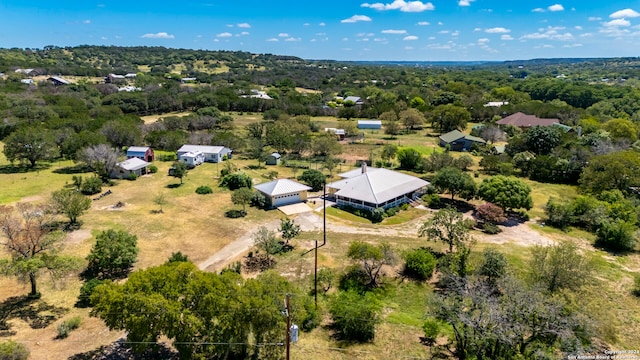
pixel 281 187
pixel 523 120
pixel 133 164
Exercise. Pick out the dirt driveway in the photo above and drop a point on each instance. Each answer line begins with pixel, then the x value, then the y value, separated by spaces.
pixel 520 234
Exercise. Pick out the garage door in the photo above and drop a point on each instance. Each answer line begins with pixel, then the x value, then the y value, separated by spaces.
pixel 286 199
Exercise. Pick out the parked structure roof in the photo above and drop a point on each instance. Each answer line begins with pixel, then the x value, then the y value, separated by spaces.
pixel 523 120
pixel 281 187
pixel 133 164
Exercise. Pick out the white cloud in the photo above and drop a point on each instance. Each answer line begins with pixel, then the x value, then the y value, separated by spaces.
pixel 244 33
pixel 272 40
pixel 313 40
pixel 626 13
pixel 380 40
pixel 86 22
pixel 408 48
pixel 443 32
pixel 455 33
pixel 395 32
pixel 292 39
pixel 617 23
pixel 578 27
pixel 556 7
pixel 103 38
pixel 356 18
pixel 424 23
pixel 244 25
pixel 550 33
pixel 365 35
pixel 410 38
pixel 224 35
pixel 483 41
pixel 283 35
pixel 321 34
pixel 595 18
pixel 506 37
pixel 539 10
pixel 440 23
pixel 465 2
pixel 497 30
pixel 306 24
pixel 404 6
pixel 477 29
pixel 229 25
pixel 572 45
pixel 160 35
pixel 322 24
pixel 216 40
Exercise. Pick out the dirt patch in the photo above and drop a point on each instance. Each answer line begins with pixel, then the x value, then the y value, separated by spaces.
pixel 78 236
pixel 34 198
pixel 521 234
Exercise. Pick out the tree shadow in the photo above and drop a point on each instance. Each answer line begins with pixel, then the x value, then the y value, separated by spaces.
pixel 35 312
pixel 173 186
pixel 120 350
pixel 76 169
pixel 21 169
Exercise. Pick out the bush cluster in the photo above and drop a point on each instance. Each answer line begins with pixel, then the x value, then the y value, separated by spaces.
pixel 202 190
pixel 419 263
pixel 65 328
pixel 11 350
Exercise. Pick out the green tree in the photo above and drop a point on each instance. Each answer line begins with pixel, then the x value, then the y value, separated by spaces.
pixel 409 158
pixel 179 170
pixel 449 117
pixel 493 265
pixel 448 226
pixel 617 170
pixel 506 192
pixel 372 258
pixel 411 118
pixel 419 263
pixel 236 181
pixel 325 145
pixel 242 196
pixel 617 235
pixel 31 145
pixel 621 129
pixel 113 254
pixel 542 139
pixel 313 178
pixel 389 152
pixel 289 229
pixel 27 238
pixel 355 316
pixel 559 266
pixel 455 182
pixel 265 240
pixel 71 203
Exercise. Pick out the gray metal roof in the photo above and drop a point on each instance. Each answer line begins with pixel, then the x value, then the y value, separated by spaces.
pixel 451 136
pixel 369 122
pixel 137 149
pixel 133 164
pixel 281 187
pixel 376 185
pixel 202 148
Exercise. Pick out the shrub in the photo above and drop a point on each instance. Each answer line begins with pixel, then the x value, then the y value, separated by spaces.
pixel 404 206
pixel 234 214
pixel 259 200
pixel 490 213
pixel 236 181
pixel 153 169
pixel 11 350
pixel 132 176
pixel 65 328
pixel 558 215
pixel 202 190
pixel 90 186
pixel 84 299
pixel 419 264
pixel 432 200
pixel 616 235
pixel 177 257
pixel 391 211
pixel 355 316
pixel 168 157
pixel 431 329
pixel 354 279
pixel 377 215
pixel 491 229
pixel 636 285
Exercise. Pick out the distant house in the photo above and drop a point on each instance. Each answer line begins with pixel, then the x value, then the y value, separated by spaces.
pixel 525 121
pixel 354 99
pixel 130 75
pixel 370 124
pixel 211 153
pixel 125 168
pixel 114 78
pixel 141 152
pixel 496 103
pixel 458 141
pixel 258 94
pixel 283 192
pixel 273 159
pixel 188 80
pixel 30 72
pixel 58 81
pixel 340 133
pixel 27 81
pixel 372 188
pixel 191 158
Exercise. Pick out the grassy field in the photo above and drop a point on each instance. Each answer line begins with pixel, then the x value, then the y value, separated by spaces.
pixel 195 225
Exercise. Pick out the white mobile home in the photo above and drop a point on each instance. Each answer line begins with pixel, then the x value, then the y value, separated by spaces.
pixel 211 153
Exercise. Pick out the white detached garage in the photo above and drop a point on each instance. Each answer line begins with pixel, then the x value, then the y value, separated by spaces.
pixel 283 192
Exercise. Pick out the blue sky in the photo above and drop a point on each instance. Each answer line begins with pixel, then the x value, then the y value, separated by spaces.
pixel 439 30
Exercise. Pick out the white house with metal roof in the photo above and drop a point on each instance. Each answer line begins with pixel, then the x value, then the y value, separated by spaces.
pixel 211 153
pixel 283 192
pixel 125 168
pixel 371 188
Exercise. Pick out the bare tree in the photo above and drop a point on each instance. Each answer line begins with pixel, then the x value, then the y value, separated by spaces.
pixel 100 158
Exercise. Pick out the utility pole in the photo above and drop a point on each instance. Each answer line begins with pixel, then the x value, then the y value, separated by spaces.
pixel 288 343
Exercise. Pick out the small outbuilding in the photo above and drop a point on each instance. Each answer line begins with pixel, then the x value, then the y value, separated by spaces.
pixel 126 168
pixel 283 192
pixel 141 152
pixel 370 124
pixel 211 153
pixel 192 158
pixel 273 159
pixel 58 81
